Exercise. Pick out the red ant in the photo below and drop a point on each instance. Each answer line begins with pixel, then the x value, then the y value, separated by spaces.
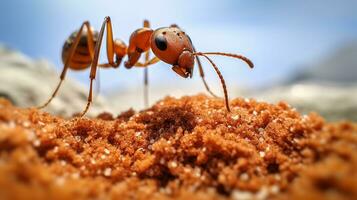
pixel 169 44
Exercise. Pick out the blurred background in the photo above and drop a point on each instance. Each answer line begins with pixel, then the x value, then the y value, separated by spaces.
pixel 305 52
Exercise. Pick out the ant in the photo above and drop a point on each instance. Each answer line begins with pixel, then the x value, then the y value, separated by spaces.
pixel 169 44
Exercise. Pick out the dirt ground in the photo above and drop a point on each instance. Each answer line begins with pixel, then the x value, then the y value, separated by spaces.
pixel 188 148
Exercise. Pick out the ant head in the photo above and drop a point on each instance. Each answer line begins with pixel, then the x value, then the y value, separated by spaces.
pixel 173 46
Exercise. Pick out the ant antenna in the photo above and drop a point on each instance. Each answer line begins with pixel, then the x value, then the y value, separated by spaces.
pixel 245 59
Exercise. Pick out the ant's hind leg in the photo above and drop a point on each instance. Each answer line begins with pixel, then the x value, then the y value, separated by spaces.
pixel 67 62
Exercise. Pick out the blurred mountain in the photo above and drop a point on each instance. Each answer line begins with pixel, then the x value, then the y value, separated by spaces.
pixel 328 88
pixel 334 102
pixel 28 83
pixel 340 66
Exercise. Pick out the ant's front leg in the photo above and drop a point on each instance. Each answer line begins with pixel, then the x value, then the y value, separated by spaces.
pixel 152 61
pixel 139 43
pixel 202 75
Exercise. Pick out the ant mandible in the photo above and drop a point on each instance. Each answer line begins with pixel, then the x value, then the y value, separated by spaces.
pixel 169 44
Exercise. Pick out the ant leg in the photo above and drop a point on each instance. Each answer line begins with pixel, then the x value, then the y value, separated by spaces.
pixel 94 65
pixel 97 84
pixel 146 87
pixel 202 74
pixel 91 46
pixel 146 71
pixel 146 80
pixel 90 40
pixel 152 61
pixel 68 60
pixel 110 43
pixel 147 62
pixel 146 76
pixel 139 43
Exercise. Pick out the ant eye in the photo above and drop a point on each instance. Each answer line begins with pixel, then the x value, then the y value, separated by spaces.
pixel 161 42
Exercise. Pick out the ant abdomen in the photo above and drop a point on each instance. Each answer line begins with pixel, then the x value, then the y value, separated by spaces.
pixel 81 58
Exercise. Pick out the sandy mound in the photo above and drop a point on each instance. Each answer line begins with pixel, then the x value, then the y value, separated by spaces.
pixel 188 148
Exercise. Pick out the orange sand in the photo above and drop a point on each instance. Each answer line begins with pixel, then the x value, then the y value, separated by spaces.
pixel 188 148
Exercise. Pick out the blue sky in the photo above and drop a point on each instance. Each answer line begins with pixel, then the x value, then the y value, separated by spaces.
pixel 279 36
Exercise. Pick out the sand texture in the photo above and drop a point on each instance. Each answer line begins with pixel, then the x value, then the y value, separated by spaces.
pixel 188 148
